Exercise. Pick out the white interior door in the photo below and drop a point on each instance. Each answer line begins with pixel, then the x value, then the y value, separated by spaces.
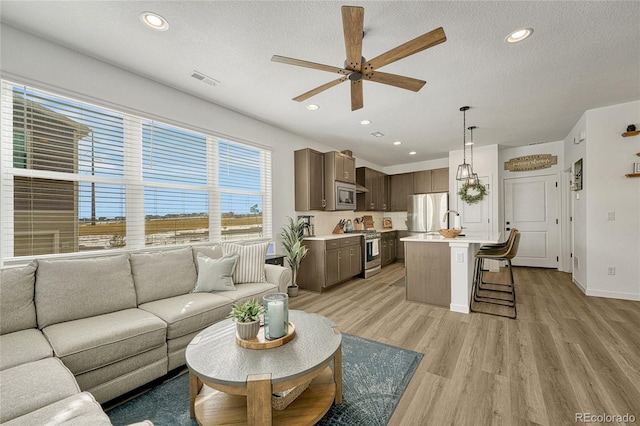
pixel 475 218
pixel 531 206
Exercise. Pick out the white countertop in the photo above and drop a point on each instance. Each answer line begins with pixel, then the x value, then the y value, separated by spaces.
pixel 486 238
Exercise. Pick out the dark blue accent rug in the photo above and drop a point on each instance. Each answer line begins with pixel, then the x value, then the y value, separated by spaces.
pixel 374 377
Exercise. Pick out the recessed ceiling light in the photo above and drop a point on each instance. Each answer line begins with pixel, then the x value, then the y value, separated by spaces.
pixel 519 35
pixel 365 122
pixel 312 107
pixel 397 143
pixel 377 134
pixel 154 21
pixel 412 153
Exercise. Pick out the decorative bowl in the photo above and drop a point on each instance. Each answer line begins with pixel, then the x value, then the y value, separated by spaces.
pixel 449 233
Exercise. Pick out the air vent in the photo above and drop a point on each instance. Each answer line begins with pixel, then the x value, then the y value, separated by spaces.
pixel 377 134
pixel 204 78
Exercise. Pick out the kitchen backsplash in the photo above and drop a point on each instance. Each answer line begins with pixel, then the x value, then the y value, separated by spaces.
pixel 324 222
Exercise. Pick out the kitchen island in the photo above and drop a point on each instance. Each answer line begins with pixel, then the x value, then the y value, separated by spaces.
pixel 439 270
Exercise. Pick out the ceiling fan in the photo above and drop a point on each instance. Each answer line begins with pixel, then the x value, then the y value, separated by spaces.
pixel 356 68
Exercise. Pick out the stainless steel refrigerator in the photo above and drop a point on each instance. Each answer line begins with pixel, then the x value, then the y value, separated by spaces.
pixel 425 212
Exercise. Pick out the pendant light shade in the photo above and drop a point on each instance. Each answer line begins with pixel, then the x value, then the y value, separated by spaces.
pixel 464 170
pixel 473 178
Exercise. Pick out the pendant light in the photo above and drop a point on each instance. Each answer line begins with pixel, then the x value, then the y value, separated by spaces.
pixel 464 169
pixel 473 179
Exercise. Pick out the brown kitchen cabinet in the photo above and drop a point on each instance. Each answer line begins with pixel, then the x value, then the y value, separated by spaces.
pixel 309 180
pixel 400 244
pixel 339 167
pixel 436 180
pixel 377 198
pixel 330 262
pixel 401 186
pixel 388 251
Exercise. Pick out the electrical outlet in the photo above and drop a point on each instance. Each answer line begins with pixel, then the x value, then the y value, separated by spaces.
pixel 611 216
pixel 611 270
pixel 460 257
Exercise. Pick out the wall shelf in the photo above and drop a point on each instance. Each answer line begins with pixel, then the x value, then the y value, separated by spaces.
pixel 627 134
pixel 632 175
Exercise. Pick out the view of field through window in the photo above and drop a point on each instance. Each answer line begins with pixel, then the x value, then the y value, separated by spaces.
pixel 75 182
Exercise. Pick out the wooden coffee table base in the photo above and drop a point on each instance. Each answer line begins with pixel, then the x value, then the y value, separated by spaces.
pixel 214 407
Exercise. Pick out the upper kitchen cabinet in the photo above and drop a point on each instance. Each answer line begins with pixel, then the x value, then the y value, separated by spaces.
pixel 401 187
pixel 339 167
pixel 440 180
pixel 426 181
pixel 377 184
pixel 309 180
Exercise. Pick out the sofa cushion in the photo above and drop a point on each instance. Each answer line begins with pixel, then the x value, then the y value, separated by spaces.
pixel 76 410
pixel 16 299
pixel 214 252
pixel 34 385
pixel 163 274
pixel 216 274
pixel 90 343
pixel 189 312
pixel 23 346
pixel 250 268
pixel 68 290
pixel 248 291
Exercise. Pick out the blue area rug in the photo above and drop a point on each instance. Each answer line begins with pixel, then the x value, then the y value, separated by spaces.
pixel 374 377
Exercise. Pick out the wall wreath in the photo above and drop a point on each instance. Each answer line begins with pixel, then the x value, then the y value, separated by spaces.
pixel 472 193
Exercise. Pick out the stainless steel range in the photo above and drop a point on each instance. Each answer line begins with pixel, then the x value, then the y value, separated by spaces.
pixel 370 253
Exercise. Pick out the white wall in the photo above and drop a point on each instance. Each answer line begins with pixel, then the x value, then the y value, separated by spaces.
pixel 612 243
pixel 417 166
pixel 32 60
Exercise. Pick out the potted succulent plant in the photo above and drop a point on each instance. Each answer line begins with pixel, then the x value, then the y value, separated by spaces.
pixel 247 318
pixel 292 236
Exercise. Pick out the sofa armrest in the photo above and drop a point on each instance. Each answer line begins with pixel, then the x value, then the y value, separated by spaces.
pixel 278 275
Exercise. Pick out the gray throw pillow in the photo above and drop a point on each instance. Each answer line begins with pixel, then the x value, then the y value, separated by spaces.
pixel 216 274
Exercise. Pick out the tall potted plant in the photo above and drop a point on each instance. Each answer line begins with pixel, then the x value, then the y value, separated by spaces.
pixel 292 236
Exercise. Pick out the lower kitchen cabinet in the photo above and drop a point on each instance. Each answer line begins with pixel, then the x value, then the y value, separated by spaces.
pixel 388 240
pixel 400 244
pixel 330 262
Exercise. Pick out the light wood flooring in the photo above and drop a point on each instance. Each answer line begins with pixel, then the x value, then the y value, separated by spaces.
pixel 565 353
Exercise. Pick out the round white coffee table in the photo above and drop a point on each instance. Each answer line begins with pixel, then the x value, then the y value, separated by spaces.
pixel 232 384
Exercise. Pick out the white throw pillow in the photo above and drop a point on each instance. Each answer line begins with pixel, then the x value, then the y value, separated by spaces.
pixel 250 268
pixel 216 274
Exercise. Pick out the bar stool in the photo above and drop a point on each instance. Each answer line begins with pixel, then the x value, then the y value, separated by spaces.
pixel 506 253
pixel 499 246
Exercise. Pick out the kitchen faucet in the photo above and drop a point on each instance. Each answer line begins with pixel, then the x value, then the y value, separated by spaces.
pixel 456 222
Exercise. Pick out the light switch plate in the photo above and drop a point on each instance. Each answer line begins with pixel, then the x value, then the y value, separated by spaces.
pixel 611 216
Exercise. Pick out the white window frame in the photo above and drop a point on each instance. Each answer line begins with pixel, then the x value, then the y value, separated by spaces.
pixel 133 182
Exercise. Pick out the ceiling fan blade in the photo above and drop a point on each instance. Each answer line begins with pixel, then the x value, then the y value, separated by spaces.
pixel 307 64
pixel 353 24
pixel 319 89
pixel 418 44
pixel 408 83
pixel 356 95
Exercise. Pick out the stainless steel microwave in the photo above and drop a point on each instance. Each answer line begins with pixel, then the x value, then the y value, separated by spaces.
pixel 345 196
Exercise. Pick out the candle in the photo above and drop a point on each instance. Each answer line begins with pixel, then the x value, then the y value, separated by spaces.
pixel 275 311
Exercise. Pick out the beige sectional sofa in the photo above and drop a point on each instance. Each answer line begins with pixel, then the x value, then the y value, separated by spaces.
pixel 110 323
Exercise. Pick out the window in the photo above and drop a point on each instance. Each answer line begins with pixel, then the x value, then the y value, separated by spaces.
pixel 77 177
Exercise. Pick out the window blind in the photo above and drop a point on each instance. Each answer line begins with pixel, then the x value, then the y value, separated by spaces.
pixel 78 177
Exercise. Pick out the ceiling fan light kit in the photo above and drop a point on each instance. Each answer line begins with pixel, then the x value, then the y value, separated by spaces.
pixel 357 69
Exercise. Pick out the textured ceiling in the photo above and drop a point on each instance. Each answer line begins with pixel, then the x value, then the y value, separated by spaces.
pixel 582 55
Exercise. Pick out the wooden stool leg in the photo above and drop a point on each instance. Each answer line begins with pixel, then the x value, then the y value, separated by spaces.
pixel 259 400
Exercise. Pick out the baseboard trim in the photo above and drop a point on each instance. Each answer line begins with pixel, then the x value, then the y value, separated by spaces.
pixel 613 295
pixel 463 309
pixel 579 285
